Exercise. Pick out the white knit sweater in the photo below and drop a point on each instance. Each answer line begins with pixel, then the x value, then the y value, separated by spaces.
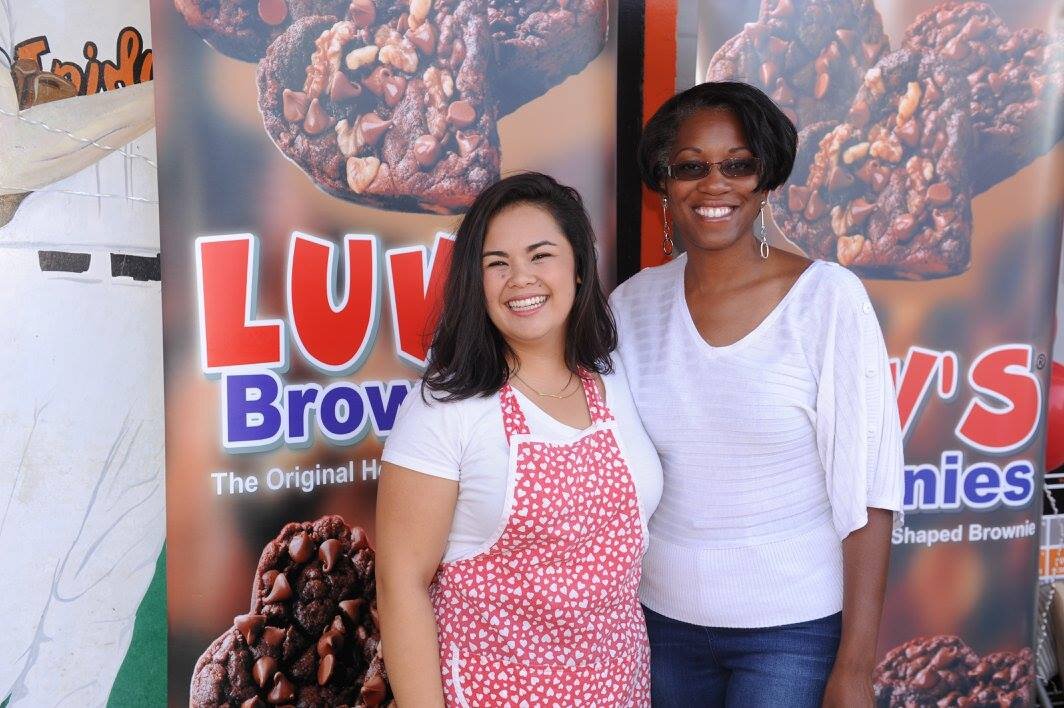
pixel 772 447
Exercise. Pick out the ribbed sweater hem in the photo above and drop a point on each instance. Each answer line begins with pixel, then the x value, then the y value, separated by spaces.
pixel 772 584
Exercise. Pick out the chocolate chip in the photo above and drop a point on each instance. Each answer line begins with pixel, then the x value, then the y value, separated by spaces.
pixel 467 142
pixel 373 690
pixel 426 150
pixel 847 37
pixel 815 207
pixel 393 91
pixel 926 680
pixel 253 702
pixel 859 114
pixel 283 690
pixel 880 178
pixel 423 37
pixel 325 669
pixel 264 669
pixel 280 591
pixel 249 626
pixel 909 133
pixel 330 642
pixel 859 210
pixel 777 46
pixel 955 50
pixel 295 105
pixel 373 128
pixel 273 12
pixel 378 79
pixel 362 12
pixel 797 197
pixel 301 547
pixel 317 119
pixel 823 81
pixel 352 608
pixel 461 114
pixel 783 94
pixel 769 72
pixel 329 552
pixel 839 179
pixel 341 88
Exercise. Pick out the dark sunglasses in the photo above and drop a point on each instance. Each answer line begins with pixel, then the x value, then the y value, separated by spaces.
pixel 732 168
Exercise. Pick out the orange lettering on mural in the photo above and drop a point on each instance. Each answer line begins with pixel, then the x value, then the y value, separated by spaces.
pixel 133 64
pixel 32 48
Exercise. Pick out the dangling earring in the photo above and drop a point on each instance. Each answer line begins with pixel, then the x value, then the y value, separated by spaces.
pixel 666 244
pixel 763 237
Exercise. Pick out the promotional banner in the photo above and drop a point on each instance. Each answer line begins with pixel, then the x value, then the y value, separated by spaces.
pixel 316 158
pixel 929 164
pixel 82 516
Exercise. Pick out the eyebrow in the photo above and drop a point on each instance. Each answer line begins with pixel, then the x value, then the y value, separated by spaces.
pixel 739 148
pixel 531 248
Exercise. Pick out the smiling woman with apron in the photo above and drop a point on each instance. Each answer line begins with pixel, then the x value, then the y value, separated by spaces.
pixel 512 513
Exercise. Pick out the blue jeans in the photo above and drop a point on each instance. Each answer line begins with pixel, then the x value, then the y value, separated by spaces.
pixel 693 666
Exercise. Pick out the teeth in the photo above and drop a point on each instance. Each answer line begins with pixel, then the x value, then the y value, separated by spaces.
pixel 714 212
pixel 528 303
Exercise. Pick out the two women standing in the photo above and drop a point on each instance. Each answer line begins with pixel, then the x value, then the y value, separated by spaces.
pixel 518 478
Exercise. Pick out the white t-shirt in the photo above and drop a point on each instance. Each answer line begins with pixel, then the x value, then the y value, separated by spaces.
pixel 773 447
pixel 465 441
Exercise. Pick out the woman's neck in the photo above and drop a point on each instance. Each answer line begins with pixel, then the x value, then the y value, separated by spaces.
pixel 542 361
pixel 710 271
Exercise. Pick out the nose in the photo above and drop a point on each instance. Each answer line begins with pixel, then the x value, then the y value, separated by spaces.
pixel 520 275
pixel 715 182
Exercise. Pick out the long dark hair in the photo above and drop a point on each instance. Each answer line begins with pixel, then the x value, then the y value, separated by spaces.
pixel 469 356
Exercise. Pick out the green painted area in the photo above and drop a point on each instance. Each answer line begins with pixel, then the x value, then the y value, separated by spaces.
pixel 142 679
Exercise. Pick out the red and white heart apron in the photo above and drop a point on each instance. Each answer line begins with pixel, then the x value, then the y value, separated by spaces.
pixel 548 614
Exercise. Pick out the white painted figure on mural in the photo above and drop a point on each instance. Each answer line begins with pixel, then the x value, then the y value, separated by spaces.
pixel 82 517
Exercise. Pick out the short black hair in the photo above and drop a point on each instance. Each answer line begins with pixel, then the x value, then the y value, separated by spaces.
pixel 469 356
pixel 769 133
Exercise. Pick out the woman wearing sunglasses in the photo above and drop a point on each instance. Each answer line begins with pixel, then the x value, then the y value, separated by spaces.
pixel 510 511
pixel 762 379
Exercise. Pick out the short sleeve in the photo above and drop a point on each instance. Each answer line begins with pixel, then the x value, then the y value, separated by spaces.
pixel 427 436
pixel 858 433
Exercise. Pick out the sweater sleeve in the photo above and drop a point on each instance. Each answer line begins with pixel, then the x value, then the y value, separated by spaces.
pixel 858 433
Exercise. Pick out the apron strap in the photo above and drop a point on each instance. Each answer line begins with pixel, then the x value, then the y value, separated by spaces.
pixel 595 405
pixel 513 418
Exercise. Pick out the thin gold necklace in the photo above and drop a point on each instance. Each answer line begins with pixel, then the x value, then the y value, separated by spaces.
pixel 559 393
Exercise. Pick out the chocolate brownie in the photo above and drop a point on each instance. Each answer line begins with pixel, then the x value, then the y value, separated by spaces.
pixel 926 671
pixel 1016 81
pixel 1003 680
pixel 538 43
pixel 399 116
pixel 243 29
pixel 808 55
pixel 311 637
pixel 887 191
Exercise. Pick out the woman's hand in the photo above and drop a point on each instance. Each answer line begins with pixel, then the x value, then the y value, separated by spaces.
pixel 849 688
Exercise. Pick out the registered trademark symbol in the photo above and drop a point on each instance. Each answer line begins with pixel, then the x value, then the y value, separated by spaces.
pixel 1041 361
